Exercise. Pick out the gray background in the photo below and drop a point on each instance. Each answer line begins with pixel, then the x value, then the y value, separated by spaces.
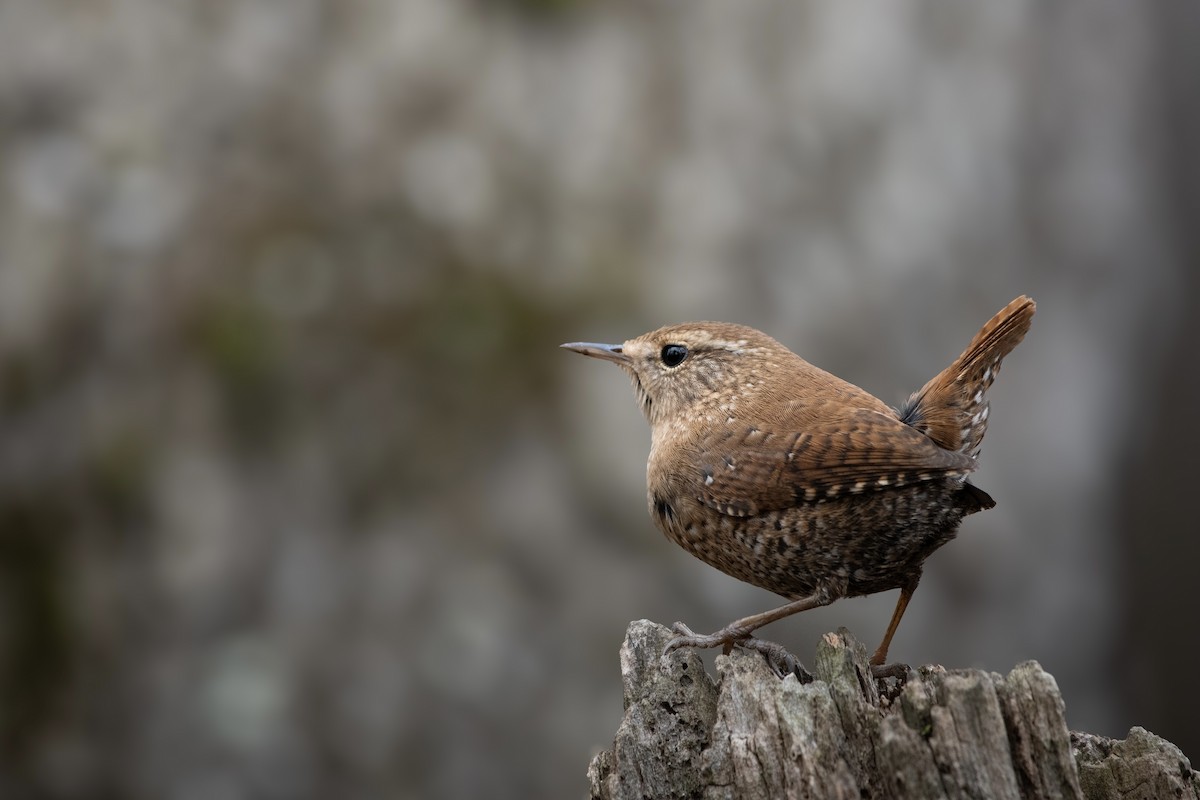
pixel 298 497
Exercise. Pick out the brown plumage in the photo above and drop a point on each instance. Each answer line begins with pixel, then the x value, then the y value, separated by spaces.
pixel 787 477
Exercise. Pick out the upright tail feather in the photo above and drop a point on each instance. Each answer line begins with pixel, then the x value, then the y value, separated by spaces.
pixel 952 409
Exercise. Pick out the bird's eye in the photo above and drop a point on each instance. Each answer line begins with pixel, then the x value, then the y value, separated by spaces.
pixel 674 354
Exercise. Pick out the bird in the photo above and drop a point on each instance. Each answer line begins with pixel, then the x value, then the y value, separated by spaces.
pixel 791 479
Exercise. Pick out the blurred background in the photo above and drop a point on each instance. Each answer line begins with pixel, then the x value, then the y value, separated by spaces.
pixel 298 497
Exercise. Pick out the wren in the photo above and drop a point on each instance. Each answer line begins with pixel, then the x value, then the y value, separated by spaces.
pixel 791 479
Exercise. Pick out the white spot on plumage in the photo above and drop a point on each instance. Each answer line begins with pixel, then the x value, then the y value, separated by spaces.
pixel 884 481
pixel 708 480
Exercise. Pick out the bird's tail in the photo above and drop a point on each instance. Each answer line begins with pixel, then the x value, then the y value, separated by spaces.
pixel 952 409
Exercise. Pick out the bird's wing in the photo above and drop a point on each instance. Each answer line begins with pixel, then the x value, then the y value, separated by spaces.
pixel 746 470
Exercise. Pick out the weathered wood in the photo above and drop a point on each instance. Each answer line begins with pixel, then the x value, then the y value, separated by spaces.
pixel 945 734
pixel 1141 766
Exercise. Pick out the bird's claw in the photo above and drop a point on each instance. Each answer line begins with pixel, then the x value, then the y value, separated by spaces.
pixel 782 662
pixel 726 638
pixel 684 633
pixel 882 672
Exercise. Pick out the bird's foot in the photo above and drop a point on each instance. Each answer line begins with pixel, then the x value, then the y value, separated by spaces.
pixel 890 680
pixel 725 638
pixel 882 672
pixel 781 662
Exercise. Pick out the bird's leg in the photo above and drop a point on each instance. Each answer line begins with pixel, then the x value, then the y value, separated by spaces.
pixel 738 633
pixel 879 668
pixel 741 629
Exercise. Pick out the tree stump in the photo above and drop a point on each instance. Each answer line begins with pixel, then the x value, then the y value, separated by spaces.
pixel 943 734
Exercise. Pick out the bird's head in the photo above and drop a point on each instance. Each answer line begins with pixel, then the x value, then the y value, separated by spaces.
pixel 691 370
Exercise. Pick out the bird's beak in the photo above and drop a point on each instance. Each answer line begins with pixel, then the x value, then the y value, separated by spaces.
pixel 608 352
